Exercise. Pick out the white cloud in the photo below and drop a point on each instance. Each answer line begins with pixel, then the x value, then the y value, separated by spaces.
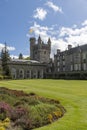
pixel 84 23
pixel 14 56
pixel 74 36
pixel 40 13
pixel 1 46
pixel 8 47
pixel 74 26
pixel 54 7
pixel 60 38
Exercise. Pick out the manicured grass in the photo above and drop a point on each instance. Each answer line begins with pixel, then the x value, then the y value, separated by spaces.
pixel 71 94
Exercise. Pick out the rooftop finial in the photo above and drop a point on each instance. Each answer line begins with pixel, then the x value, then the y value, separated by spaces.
pixel 39 40
pixel 49 41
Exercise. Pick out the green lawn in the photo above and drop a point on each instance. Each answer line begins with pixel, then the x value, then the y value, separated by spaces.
pixel 71 94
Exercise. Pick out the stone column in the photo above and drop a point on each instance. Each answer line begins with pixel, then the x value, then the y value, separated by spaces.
pixel 41 74
pixel 36 74
pixel 30 74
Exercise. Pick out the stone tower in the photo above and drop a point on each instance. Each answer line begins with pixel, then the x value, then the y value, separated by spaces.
pixel 40 51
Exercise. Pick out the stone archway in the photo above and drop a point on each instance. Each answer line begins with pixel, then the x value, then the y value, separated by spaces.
pixel 21 74
pixel 28 74
pixel 13 73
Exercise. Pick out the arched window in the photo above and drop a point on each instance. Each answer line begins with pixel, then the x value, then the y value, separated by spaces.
pixel 28 73
pixel 13 73
pixel 21 73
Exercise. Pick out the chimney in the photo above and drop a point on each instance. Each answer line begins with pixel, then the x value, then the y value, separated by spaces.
pixel 58 51
pixel 69 47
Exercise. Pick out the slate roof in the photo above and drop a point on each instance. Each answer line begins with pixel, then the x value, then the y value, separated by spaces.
pixel 73 50
pixel 81 48
pixel 23 61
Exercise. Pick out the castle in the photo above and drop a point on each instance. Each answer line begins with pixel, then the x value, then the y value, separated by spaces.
pixel 36 67
pixel 68 64
pixel 40 51
pixel 71 63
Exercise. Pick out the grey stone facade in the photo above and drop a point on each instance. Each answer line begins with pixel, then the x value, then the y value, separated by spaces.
pixel 26 69
pixel 36 67
pixel 71 63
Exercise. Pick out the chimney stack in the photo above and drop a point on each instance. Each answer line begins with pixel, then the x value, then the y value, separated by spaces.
pixel 69 47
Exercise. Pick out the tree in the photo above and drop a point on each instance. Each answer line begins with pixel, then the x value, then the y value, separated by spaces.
pixel 27 58
pixel 0 70
pixel 20 56
pixel 5 58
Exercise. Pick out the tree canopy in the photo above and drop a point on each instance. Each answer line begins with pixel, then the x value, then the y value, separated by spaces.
pixel 20 56
pixel 5 57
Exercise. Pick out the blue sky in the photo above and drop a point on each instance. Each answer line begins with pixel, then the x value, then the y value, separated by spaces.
pixel 64 21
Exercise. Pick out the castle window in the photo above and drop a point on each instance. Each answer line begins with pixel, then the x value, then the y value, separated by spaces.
pixel 63 62
pixel 28 74
pixel 35 52
pixel 58 69
pixel 84 56
pixel 76 67
pixel 84 66
pixel 71 67
pixel 28 71
pixel 13 73
pixel 58 58
pixel 58 63
pixel 63 68
pixel 50 70
pixel 21 73
pixel 44 52
pixel 35 74
pixel 63 57
pixel 79 66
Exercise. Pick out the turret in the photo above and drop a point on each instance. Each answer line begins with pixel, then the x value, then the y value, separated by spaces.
pixel 49 41
pixel 40 51
pixel 32 40
pixel 49 44
pixel 32 43
pixel 39 40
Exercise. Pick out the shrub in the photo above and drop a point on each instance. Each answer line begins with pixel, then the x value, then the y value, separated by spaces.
pixel 29 111
pixel 7 77
pixel 57 114
pixel 2 128
pixel 24 123
pixel 1 77
pixel 41 114
pixel 32 94
pixel 33 101
pixel 18 103
pixel 18 112
pixel 50 118
pixel 5 124
pixel 4 110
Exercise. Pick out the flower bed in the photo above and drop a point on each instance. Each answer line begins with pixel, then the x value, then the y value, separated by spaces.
pixel 27 111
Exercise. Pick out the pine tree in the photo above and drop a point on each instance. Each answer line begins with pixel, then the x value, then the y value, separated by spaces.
pixel 5 58
pixel 20 56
